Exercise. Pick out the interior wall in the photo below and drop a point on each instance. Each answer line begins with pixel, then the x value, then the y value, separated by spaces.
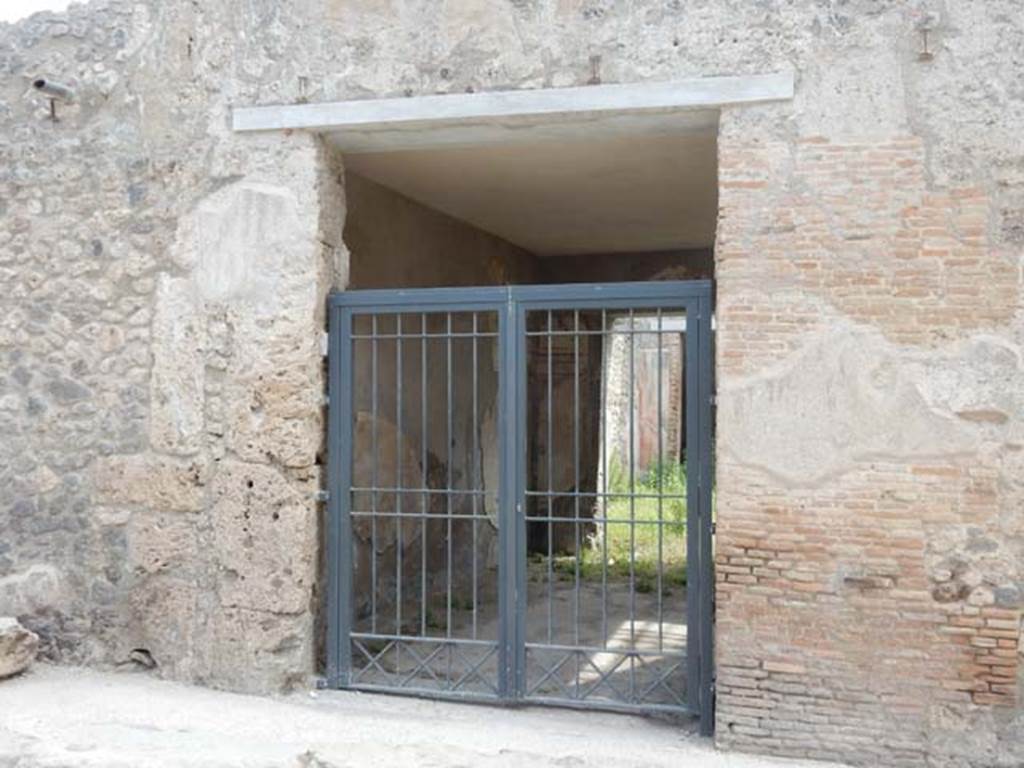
pixel 688 264
pixel 397 242
pixel 443 432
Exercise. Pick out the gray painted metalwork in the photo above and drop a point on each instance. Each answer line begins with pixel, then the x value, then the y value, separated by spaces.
pixel 530 613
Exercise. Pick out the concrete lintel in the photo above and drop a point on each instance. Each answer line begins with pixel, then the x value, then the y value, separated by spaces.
pixel 517 108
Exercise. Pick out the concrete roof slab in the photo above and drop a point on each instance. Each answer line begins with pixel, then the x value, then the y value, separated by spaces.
pixel 468 119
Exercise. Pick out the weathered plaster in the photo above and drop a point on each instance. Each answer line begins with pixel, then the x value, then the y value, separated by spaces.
pixel 847 396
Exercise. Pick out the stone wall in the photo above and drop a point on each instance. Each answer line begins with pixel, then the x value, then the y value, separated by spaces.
pixel 869 361
pixel 162 379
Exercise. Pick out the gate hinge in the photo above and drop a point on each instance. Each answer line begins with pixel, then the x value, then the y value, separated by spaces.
pixel 713 399
pixel 325 344
pixel 322 496
pixel 714 527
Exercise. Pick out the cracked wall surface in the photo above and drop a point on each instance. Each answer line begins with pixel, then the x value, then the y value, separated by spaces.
pixel 160 379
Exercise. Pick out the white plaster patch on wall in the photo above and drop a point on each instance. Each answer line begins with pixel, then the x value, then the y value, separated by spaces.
pixel 240 241
pixel 847 396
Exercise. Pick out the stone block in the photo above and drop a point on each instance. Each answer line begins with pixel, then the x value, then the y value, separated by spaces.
pixel 38 588
pixel 246 244
pixel 273 411
pixel 845 397
pixel 176 386
pixel 161 542
pixel 155 482
pixel 264 538
pixel 167 623
pixel 260 652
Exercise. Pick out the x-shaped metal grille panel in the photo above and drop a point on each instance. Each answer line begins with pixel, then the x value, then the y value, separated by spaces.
pixel 624 679
pixel 417 664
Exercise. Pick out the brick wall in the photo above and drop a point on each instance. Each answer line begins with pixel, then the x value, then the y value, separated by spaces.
pixel 865 574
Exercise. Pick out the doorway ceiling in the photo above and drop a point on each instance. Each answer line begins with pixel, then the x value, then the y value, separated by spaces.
pixel 649 189
pixel 588 169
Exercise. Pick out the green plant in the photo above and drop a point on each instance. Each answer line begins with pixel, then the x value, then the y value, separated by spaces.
pixel 618 476
pixel 639 531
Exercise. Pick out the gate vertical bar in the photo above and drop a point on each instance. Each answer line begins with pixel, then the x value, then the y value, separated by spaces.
pixel 339 565
pixel 700 575
pixel 475 468
pixel 449 482
pixel 632 504
pixel 399 523
pixel 425 482
pixel 576 490
pixel 549 453
pixel 661 491
pixel 517 490
pixel 706 611
pixel 606 356
pixel 506 497
pixel 694 571
pixel 374 456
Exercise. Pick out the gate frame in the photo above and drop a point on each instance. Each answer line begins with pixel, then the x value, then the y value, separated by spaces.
pixel 511 303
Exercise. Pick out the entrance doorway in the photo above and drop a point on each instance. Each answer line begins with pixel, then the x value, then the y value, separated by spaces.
pixel 589 185
pixel 520 494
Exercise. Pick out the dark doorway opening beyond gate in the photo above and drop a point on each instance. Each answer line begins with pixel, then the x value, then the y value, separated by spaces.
pixel 520 501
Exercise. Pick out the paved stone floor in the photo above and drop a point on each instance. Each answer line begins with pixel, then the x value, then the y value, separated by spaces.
pixel 59 717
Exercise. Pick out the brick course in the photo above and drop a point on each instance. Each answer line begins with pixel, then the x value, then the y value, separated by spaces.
pixel 837 631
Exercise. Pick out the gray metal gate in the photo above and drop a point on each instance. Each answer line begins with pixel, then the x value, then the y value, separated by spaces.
pixel 520 495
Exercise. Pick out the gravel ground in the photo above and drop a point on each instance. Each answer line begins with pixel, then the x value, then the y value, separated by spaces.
pixel 58 716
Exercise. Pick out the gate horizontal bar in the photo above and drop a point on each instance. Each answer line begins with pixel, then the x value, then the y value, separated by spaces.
pixel 598 295
pixel 438 335
pixel 441 694
pixel 483 298
pixel 624 495
pixel 598 519
pixel 603 705
pixel 614 650
pixel 479 299
pixel 424 639
pixel 419 515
